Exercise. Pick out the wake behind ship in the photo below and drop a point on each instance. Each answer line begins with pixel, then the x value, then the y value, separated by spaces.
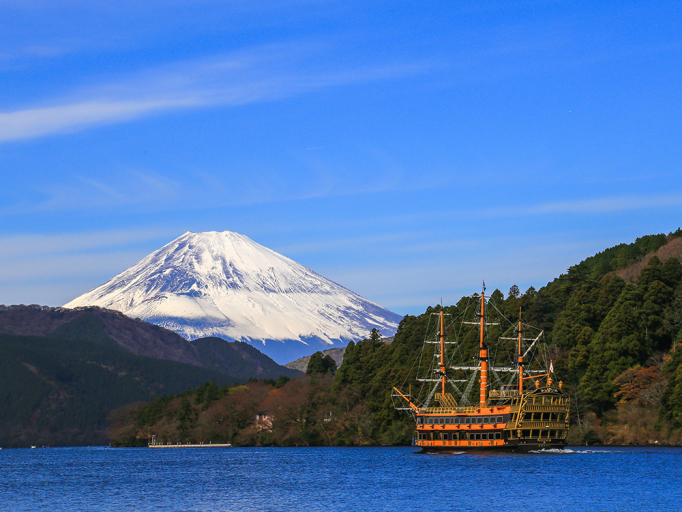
pixel 519 407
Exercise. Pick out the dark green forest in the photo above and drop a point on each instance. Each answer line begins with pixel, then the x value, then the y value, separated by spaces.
pixel 59 392
pixel 613 325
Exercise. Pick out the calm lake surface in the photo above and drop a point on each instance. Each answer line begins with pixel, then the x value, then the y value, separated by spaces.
pixel 331 479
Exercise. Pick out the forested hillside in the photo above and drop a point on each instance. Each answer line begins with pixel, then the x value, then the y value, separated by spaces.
pixel 58 388
pixel 59 392
pixel 614 343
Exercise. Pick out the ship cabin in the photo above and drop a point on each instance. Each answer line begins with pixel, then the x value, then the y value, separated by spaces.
pixel 532 420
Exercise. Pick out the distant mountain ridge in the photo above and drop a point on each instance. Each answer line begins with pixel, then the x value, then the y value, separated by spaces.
pixel 115 330
pixel 226 285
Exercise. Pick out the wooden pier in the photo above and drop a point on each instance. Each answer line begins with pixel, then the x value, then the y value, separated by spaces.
pixel 154 444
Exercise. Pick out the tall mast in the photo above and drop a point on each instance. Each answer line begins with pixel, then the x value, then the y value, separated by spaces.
pixel 442 346
pixel 483 354
pixel 520 357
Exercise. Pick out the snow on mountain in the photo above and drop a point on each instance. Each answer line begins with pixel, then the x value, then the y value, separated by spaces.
pixel 227 285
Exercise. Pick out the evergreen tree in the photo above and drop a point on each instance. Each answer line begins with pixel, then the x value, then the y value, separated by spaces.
pixel 319 363
pixel 671 401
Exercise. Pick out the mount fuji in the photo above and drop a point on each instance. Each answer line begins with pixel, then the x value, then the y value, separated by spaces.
pixel 224 284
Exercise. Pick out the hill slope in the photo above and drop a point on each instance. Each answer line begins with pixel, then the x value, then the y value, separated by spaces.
pixel 59 392
pixel 302 364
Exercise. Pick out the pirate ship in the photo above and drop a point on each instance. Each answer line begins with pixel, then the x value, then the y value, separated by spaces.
pixel 519 407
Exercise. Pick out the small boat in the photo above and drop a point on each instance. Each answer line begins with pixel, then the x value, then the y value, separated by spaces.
pixel 518 408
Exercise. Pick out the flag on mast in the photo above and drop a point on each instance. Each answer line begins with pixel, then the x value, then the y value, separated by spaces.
pixel 551 367
pixel 484 285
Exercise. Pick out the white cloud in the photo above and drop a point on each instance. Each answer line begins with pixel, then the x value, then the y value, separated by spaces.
pixel 256 75
pixel 37 122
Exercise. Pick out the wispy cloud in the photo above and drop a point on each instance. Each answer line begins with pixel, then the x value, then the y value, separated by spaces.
pixel 114 189
pixel 37 122
pixel 56 268
pixel 409 286
pixel 37 245
pixel 255 75
pixel 591 206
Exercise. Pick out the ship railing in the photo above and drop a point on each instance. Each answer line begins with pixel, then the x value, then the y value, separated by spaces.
pixel 545 408
pixel 541 424
pixel 542 400
pixel 450 410
pixel 503 393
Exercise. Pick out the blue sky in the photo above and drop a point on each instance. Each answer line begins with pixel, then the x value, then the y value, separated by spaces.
pixel 406 150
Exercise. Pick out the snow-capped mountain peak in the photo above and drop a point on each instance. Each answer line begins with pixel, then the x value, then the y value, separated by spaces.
pixel 224 284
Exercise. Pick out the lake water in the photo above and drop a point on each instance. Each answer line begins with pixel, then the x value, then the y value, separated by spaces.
pixel 331 479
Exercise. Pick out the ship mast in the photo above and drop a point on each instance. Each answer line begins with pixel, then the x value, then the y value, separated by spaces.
pixel 520 358
pixel 442 350
pixel 483 348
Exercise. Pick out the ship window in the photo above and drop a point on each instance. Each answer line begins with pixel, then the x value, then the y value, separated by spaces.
pixel 446 437
pixel 467 420
pixel 486 419
pixel 478 437
pixel 479 420
pixel 500 419
pixel 484 436
pixel 429 421
pixel 498 435
pixel 441 421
